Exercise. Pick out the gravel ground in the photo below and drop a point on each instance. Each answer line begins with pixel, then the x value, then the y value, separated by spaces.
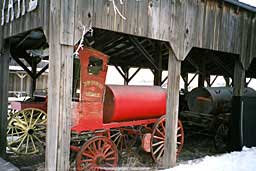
pixel 195 147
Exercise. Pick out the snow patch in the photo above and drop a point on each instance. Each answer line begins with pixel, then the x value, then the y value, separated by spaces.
pixel 244 160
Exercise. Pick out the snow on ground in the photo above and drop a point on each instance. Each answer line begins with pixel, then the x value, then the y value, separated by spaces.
pixel 235 161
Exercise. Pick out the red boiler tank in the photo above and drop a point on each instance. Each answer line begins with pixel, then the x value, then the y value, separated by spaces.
pixel 128 103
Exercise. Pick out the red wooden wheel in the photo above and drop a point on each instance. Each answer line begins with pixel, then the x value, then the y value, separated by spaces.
pixel 158 139
pixel 98 153
pixel 123 137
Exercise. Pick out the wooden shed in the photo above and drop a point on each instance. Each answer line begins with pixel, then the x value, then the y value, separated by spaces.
pixel 210 36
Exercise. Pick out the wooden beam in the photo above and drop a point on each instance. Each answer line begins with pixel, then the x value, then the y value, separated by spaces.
pixel 185 79
pixel 159 60
pixel 248 82
pixel 143 51
pixel 61 40
pixel 239 79
pixel 166 78
pixel 215 78
pixel 192 79
pixel 42 71
pixel 201 76
pixel 4 79
pixel 23 66
pixel 121 73
pixel 172 107
pixel 126 74
pixel 134 74
pixel 33 81
pixel 227 81
pixel 219 63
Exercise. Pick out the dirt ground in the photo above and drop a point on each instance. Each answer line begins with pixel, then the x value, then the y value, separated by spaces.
pixel 195 146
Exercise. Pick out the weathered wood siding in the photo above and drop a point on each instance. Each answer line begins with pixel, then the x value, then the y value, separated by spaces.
pixel 39 18
pixel 184 23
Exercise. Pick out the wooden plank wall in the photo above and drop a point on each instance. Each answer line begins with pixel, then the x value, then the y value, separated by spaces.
pixel 39 18
pixel 185 24
pixel 60 84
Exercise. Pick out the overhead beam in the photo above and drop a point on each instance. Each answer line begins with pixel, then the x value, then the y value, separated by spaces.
pixel 143 51
pixel 221 65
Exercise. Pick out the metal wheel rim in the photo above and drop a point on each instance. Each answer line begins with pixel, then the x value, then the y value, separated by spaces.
pixel 158 139
pixel 99 153
pixel 26 131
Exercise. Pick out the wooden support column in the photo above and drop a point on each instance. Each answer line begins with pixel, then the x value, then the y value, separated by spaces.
pixel 172 107
pixel 208 80
pixel 33 70
pixel 4 79
pixel 227 81
pixel 126 75
pixel 61 39
pixel 201 77
pixel 159 59
pixel 185 79
pixel 238 79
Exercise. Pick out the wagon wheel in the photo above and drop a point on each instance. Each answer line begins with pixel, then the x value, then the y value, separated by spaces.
pixel 123 137
pixel 26 131
pixel 11 113
pixel 158 139
pixel 97 153
pixel 221 137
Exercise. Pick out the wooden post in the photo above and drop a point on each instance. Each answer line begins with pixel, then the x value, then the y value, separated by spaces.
pixel 201 77
pixel 158 73
pixel 208 80
pixel 172 107
pixel 33 79
pixel 238 79
pixel 4 79
pixel 126 75
pixel 227 81
pixel 61 39
pixel 185 79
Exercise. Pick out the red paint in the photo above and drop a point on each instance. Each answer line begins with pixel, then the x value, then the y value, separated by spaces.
pixel 127 103
pixel 23 105
pixel 146 140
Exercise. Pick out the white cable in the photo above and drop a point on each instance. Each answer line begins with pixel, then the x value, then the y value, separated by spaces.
pixel 85 31
pixel 116 10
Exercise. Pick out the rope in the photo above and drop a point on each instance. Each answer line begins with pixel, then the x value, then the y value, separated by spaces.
pixel 81 43
pixel 116 10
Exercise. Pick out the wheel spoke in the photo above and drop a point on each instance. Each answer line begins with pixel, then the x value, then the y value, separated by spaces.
pixel 161 146
pixel 160 132
pixel 33 143
pixel 38 117
pixel 21 142
pixel 105 154
pixel 158 138
pixel 160 154
pixel 88 155
pixel 31 117
pixel 110 153
pixel 158 143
